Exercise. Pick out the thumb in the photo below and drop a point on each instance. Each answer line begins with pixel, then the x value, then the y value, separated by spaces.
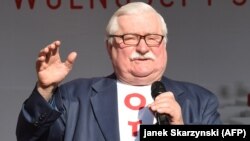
pixel 71 59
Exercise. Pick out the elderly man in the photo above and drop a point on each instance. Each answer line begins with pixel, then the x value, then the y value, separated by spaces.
pixel 112 108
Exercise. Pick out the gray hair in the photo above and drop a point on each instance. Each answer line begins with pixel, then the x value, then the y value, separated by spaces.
pixel 133 8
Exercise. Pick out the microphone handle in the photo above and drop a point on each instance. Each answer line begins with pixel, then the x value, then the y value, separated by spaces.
pixel 162 119
pixel 156 89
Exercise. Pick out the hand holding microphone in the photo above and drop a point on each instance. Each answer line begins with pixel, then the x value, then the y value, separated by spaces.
pixel 166 108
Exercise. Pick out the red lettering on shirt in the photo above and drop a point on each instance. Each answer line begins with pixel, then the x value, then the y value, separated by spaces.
pixel 140 105
pixel 134 126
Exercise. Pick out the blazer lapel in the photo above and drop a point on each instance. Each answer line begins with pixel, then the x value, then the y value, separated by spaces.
pixel 105 107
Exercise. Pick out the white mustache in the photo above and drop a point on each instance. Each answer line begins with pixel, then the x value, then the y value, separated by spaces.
pixel 135 55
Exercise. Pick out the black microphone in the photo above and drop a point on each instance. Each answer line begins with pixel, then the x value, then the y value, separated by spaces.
pixel 156 89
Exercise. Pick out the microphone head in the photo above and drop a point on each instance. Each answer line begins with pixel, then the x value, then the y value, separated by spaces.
pixel 157 88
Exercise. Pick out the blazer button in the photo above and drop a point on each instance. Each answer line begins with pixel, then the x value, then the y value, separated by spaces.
pixel 36 123
pixel 41 118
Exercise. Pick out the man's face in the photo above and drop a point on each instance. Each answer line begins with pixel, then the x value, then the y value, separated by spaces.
pixel 150 63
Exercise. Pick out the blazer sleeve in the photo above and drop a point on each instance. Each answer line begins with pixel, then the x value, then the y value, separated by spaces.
pixel 203 107
pixel 211 114
pixel 39 121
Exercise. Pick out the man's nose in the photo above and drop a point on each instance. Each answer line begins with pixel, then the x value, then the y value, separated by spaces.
pixel 142 46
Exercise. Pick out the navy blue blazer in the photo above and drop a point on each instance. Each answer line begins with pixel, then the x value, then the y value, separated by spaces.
pixel 87 110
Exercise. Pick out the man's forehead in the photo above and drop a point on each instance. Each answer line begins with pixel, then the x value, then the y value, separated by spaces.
pixel 146 23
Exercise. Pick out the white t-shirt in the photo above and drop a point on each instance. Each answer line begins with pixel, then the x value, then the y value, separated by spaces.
pixel 132 110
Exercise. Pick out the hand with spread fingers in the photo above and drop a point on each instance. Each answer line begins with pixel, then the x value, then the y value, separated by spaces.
pixel 50 68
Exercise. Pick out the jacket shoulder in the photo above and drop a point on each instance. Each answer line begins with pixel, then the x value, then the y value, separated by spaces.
pixel 189 88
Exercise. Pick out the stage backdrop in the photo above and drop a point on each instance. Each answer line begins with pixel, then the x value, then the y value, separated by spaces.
pixel 209 44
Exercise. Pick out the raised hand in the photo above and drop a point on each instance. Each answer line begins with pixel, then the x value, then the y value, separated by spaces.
pixel 50 68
